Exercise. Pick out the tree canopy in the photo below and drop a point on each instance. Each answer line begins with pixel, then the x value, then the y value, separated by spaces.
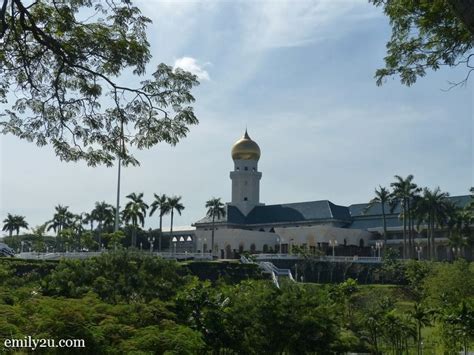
pixel 60 69
pixel 427 34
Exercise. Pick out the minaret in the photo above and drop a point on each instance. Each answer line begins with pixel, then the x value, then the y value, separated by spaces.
pixel 245 177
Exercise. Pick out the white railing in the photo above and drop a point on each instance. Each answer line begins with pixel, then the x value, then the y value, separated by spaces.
pixel 84 255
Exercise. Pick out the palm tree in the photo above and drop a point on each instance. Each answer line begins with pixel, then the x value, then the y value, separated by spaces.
pixel 382 196
pixel 9 224
pixel 174 203
pixel 215 209
pixel 14 223
pixel 422 318
pixel 135 212
pixel 160 203
pixel 89 219
pixel 433 208
pixel 403 193
pixel 104 214
pixel 61 219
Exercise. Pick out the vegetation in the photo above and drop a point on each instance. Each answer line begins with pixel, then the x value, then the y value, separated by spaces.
pixel 64 59
pixel 427 34
pixel 127 302
pixel 215 209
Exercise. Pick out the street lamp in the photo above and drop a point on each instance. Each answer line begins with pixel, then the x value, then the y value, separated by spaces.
pixel 151 240
pixel 279 243
pixel 378 246
pixel 141 246
pixel 291 246
pixel 22 245
pixel 456 251
pixel 419 250
pixel 333 244
pixel 174 240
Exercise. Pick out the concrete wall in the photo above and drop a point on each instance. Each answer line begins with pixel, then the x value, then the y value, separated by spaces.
pixel 313 235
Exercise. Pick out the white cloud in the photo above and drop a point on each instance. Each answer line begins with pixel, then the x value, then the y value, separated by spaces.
pixel 191 65
pixel 273 24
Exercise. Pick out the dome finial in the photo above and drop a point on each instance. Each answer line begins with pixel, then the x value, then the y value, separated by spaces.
pixel 245 148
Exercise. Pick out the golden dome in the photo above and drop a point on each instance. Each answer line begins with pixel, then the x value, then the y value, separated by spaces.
pixel 245 149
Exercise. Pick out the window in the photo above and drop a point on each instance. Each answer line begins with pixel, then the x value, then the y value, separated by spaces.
pixel 237 168
pixel 253 169
pixel 245 198
pixel 246 168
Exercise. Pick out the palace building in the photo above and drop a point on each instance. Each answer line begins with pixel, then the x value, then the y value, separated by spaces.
pixel 250 225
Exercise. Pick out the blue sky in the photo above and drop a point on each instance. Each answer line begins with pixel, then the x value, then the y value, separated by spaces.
pixel 299 75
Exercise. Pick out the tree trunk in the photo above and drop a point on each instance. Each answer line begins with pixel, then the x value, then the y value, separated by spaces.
pixel 212 236
pixel 410 236
pixel 134 236
pixel 161 232
pixel 464 10
pixel 384 225
pixel 171 226
pixel 404 230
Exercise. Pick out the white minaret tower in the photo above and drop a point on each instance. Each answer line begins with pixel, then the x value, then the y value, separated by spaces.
pixel 245 177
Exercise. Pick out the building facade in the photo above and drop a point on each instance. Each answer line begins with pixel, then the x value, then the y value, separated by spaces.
pixel 251 226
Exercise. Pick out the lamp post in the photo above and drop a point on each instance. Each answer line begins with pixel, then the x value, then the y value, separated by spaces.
pixel 151 240
pixel 279 245
pixel 419 250
pixel 290 251
pixel 174 240
pixel 22 245
pixel 333 244
pixel 456 251
pixel 141 246
pixel 379 246
pixel 372 248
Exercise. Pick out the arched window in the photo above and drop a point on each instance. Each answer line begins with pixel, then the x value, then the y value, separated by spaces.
pixel 272 230
pixel 345 242
pixel 261 230
pixel 246 168
pixel 265 248
pixel 361 243
pixel 245 198
pixel 253 248
pixel 241 248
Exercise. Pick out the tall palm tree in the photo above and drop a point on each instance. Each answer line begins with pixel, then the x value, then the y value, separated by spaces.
pixel 403 193
pixel 89 219
pixel 174 204
pixel 433 208
pixel 103 213
pixel 9 224
pixel 135 212
pixel 14 223
pixel 422 318
pixel 161 204
pixel 62 219
pixel 215 209
pixel 382 196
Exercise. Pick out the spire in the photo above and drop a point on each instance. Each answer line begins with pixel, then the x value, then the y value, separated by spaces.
pixel 246 135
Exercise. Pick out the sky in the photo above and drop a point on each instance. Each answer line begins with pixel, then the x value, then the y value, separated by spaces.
pixel 300 76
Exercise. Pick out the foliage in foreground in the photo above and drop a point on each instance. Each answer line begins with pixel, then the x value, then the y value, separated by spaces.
pixel 126 302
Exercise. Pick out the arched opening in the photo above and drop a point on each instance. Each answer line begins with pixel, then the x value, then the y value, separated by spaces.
pixel 272 230
pixel 241 248
pixel 253 248
pixel 361 243
pixel 265 248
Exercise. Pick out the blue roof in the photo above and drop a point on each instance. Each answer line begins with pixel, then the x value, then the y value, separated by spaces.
pixel 320 210
pixel 291 212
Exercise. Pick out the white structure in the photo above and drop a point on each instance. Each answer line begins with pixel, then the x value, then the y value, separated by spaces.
pixel 322 226
pixel 245 177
